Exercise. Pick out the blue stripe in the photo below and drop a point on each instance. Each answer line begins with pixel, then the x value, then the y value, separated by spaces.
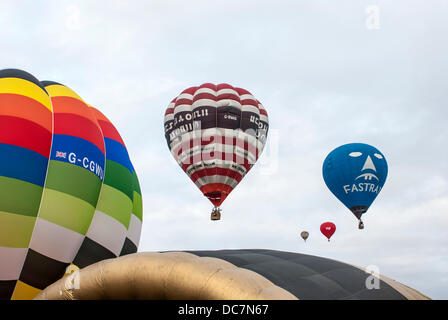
pixel 22 164
pixel 79 152
pixel 115 151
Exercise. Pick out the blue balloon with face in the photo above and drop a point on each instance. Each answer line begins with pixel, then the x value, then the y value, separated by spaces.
pixel 355 173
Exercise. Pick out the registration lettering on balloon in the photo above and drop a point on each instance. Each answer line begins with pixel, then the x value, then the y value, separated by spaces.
pixel 355 173
pixel 93 166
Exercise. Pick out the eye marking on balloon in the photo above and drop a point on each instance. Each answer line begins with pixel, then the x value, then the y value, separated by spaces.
pixel 378 156
pixel 355 154
pixel 367 176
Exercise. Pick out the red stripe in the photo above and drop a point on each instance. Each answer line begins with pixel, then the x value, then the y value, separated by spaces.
pixel 218 155
pixel 98 114
pixel 183 101
pixel 72 106
pixel 216 171
pixel 204 95
pixel 216 192
pixel 229 96
pixel 249 102
pixel 25 134
pixel 78 126
pixel 169 111
pixel 190 90
pixel 224 86
pixel 107 128
pixel 211 187
pixel 242 91
pixel 207 85
pixel 109 131
pixel 19 106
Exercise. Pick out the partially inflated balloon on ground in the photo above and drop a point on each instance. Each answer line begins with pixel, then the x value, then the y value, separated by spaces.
pixel 68 191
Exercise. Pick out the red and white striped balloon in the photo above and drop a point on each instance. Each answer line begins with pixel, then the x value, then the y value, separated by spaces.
pixel 216 133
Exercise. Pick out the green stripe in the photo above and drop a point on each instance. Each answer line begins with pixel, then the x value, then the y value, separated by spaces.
pixel 73 180
pixel 15 230
pixel 66 210
pixel 21 197
pixel 116 204
pixel 119 177
pixel 136 183
pixel 138 206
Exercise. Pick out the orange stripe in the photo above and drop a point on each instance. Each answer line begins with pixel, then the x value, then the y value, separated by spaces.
pixel 73 106
pixel 19 106
pixel 98 114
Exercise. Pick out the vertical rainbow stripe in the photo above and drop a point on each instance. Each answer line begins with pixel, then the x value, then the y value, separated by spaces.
pixel 68 191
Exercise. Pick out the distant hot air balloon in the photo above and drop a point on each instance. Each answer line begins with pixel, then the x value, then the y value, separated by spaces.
pixel 328 229
pixel 68 191
pixel 304 235
pixel 355 173
pixel 216 133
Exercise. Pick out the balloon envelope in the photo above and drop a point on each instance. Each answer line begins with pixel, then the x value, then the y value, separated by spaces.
pixel 68 191
pixel 328 229
pixel 355 173
pixel 304 235
pixel 216 133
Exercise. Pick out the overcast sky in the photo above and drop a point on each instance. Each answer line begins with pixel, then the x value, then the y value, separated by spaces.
pixel 328 73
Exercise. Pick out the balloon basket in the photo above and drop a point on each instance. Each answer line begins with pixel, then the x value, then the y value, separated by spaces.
pixel 216 214
pixel 360 225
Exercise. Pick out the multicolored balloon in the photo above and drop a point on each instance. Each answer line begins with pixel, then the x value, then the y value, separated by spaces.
pixel 216 133
pixel 328 229
pixel 68 191
pixel 355 173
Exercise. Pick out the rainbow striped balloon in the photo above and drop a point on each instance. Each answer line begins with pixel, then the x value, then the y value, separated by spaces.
pixel 68 191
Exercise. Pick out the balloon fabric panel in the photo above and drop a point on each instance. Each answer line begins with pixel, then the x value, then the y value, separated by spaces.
pixel 57 160
pixel 114 207
pixel 25 103
pixel 76 168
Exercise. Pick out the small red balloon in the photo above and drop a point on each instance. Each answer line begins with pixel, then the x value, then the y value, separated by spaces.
pixel 327 229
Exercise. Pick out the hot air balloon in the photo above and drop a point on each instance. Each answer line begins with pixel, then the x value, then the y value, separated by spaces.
pixel 304 235
pixel 68 191
pixel 216 133
pixel 355 173
pixel 328 229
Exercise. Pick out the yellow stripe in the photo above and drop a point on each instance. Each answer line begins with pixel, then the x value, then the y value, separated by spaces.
pixel 25 88
pixel 57 90
pixel 24 291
